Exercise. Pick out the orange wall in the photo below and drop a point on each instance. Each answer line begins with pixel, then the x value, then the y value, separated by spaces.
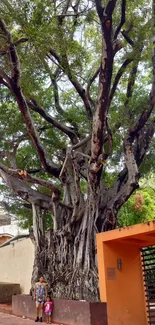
pixel 124 294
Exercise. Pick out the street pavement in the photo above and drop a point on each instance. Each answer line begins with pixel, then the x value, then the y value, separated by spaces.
pixel 12 320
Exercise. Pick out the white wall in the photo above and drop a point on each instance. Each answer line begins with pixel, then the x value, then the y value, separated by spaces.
pixel 13 229
pixel 16 263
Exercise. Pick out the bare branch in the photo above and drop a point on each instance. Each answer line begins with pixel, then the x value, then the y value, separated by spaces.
pixel 80 90
pixel 110 8
pixel 24 191
pixel 36 180
pixel 142 119
pixel 55 87
pixel 91 80
pixel 56 95
pixel 81 143
pixel 34 171
pixel 65 9
pixel 63 166
pixel 13 85
pixel 118 77
pixel 127 38
pixel 143 130
pixel 130 161
pixel 122 19
pixel 82 154
pixel 131 82
pixel 105 76
pixel 127 180
pixel 4 79
pixel 148 110
pixel 132 77
pixel 48 165
pixel 55 55
pixel 20 174
pixel 5 31
pixel 62 127
pixel 109 138
pixel 99 8
pixel 82 93
pixel 136 145
pixel 21 40
pixel 14 60
pixel 143 140
pixel 76 13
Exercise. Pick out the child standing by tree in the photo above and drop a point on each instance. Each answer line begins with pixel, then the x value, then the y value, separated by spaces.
pixel 48 310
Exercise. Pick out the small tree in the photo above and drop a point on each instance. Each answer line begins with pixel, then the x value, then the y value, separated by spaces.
pixel 74 108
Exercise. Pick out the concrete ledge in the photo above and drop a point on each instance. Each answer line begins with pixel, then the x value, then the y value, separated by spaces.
pixel 7 290
pixel 68 312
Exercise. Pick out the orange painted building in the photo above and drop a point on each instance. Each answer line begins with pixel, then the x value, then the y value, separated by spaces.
pixel 120 273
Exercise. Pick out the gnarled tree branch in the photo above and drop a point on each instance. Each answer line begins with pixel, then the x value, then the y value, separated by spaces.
pixel 127 38
pixel 63 62
pixel 23 175
pixel 13 85
pixel 118 77
pixel 147 112
pixel 99 120
pixel 62 127
pixel 24 191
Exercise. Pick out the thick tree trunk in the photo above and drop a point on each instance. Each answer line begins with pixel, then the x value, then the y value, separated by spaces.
pixel 69 261
pixel 39 240
pixel 67 256
pixel 71 266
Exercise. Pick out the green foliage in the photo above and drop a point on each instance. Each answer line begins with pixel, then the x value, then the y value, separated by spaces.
pixel 78 39
pixel 140 207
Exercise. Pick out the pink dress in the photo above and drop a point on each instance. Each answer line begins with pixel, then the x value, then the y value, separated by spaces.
pixel 48 307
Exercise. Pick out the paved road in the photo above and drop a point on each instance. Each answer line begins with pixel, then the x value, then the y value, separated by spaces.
pixel 12 320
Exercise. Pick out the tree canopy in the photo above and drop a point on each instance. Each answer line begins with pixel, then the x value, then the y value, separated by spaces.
pixel 77 123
